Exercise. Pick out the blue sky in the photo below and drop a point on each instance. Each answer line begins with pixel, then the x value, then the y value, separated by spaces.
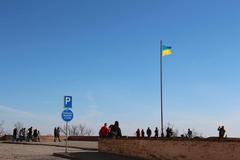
pixel 106 55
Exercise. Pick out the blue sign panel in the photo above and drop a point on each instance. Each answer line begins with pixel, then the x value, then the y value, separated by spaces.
pixel 67 101
pixel 67 115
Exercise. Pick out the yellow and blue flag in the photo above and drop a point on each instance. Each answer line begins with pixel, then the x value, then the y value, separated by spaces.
pixel 166 50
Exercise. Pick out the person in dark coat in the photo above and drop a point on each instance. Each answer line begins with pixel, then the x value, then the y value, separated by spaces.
pixel 110 133
pixel 116 131
pixel 55 134
pixel 221 131
pixel 29 135
pixel 189 134
pixel 149 132
pixel 35 135
pixel 138 133
pixel 142 133
pixel 58 134
pixel 156 132
pixel 169 132
pixel 15 131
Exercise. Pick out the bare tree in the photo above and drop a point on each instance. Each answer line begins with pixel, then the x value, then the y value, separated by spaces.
pixel 82 129
pixel 18 125
pixel 78 130
pixel 63 129
pixel 195 133
pixel 73 130
pixel 89 132
pixel 175 132
pixel 2 132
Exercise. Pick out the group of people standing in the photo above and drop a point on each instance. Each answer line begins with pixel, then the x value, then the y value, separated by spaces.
pixel 148 132
pixel 169 133
pixel 26 135
pixel 113 131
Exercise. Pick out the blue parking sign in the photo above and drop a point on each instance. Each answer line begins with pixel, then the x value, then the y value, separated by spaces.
pixel 67 101
pixel 67 115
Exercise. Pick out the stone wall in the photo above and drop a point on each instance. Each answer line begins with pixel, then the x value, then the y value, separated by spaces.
pixel 166 149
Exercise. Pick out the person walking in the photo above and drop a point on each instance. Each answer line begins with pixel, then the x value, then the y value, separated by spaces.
pixel 58 134
pixel 35 134
pixel 29 135
pixel 14 134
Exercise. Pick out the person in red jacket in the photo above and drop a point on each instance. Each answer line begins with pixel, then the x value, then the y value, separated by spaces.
pixel 103 133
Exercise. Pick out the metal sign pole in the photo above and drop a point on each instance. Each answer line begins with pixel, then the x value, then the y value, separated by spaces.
pixel 67 115
pixel 66 140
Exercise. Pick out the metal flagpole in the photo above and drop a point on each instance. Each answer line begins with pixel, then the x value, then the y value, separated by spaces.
pixel 161 82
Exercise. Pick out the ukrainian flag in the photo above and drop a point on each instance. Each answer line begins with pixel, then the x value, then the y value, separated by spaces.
pixel 166 50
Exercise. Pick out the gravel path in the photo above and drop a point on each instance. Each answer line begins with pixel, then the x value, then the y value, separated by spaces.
pixel 30 152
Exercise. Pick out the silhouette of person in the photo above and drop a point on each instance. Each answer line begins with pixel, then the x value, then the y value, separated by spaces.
pixel 169 132
pixel 116 131
pixel 58 134
pixel 138 133
pixel 15 134
pixel 35 135
pixel 189 134
pixel 149 132
pixel 221 131
pixel 29 135
pixel 156 132
pixel 110 134
pixel 142 133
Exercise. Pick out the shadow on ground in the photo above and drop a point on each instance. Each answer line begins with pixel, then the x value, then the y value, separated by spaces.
pixel 93 156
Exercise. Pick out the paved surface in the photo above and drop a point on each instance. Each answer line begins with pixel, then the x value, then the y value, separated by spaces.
pixel 93 155
pixel 17 151
pixel 30 152
pixel 73 144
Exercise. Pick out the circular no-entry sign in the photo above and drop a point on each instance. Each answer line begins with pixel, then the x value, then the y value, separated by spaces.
pixel 67 115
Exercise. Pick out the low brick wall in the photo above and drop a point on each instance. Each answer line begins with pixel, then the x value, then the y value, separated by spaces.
pixel 49 138
pixel 5 138
pixel 42 138
pixel 83 138
pixel 178 149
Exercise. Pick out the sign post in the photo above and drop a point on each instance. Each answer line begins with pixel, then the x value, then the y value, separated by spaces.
pixel 67 116
pixel 66 141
